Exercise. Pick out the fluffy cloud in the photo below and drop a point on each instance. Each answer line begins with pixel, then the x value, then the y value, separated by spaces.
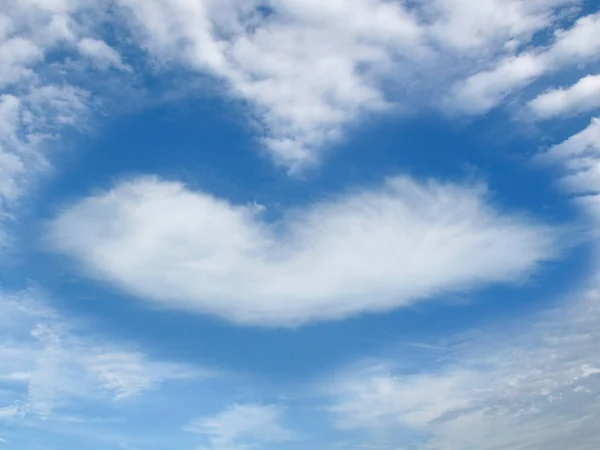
pixel 303 66
pixel 482 91
pixel 370 250
pixel 579 157
pixel 310 68
pixel 241 427
pixel 581 97
pixel 528 386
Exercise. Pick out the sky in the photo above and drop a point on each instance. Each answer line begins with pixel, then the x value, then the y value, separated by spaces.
pixel 297 224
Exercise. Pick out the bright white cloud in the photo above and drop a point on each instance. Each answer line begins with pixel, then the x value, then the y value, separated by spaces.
pixel 581 97
pixel 526 386
pixel 578 158
pixel 241 426
pixel 304 69
pixel 367 251
pixel 488 25
pixel 481 92
pixel 310 68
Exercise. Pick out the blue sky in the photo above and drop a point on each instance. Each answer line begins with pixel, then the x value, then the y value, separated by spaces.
pixel 292 224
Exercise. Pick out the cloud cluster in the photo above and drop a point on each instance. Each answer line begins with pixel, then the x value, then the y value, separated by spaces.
pixel 38 100
pixel 482 91
pixel 367 251
pixel 308 69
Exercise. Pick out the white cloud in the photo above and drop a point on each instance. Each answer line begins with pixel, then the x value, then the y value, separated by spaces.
pixel 481 92
pixel 367 251
pixel 489 25
pixel 101 54
pixel 581 97
pixel 241 426
pixel 27 123
pixel 529 384
pixel 579 157
pixel 300 68
pixel 524 386
pixel 311 68
pixel 38 102
pixel 46 367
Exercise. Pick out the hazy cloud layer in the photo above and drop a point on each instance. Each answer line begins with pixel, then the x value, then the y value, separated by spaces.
pixel 533 385
pixel 241 426
pixel 48 368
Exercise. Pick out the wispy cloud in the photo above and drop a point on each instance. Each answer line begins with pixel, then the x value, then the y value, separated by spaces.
pixel 241 426
pixel 46 367
pixel 39 99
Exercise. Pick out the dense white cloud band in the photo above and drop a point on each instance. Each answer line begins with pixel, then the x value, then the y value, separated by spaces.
pixel 370 250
